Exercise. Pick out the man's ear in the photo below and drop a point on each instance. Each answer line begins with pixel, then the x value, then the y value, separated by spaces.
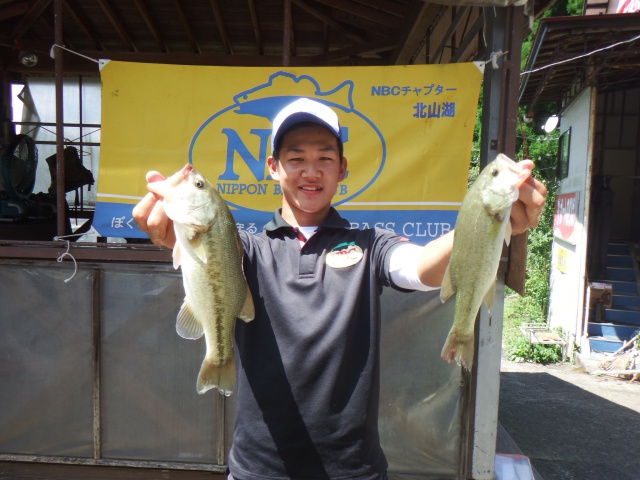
pixel 343 169
pixel 273 168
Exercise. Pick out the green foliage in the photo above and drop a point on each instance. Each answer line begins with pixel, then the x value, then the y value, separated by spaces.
pixel 522 351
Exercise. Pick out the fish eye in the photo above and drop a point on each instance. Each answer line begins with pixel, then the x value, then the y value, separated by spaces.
pixel 494 172
pixel 199 183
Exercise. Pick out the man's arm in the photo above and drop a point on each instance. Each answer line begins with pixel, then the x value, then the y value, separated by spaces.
pixel 525 214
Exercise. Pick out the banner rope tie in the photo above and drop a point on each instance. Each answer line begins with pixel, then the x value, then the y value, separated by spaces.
pixel 67 254
pixel 493 58
pixel 53 55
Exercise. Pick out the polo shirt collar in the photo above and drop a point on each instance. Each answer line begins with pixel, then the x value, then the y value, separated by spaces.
pixel 333 220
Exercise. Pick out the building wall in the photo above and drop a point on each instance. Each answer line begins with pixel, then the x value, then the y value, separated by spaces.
pixel 568 259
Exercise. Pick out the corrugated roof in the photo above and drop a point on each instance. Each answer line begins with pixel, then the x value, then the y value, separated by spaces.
pixel 569 53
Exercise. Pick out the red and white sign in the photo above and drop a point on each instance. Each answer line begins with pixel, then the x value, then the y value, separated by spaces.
pixel 565 215
pixel 629 6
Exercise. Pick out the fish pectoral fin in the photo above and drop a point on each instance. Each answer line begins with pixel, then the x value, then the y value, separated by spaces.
pixel 199 249
pixel 507 233
pixel 447 289
pixel 177 256
pixel 488 297
pixel 187 325
pixel 247 312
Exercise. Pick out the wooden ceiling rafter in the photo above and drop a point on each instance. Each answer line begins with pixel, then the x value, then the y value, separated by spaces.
pixel 371 48
pixel 84 24
pixel 184 21
pixel 329 21
pixel 222 29
pixel 426 14
pixel 468 38
pixel 459 15
pixel 255 24
pixel 387 6
pixel 151 26
pixel 29 19
pixel 287 33
pixel 115 22
pixel 372 29
pixel 13 11
pixel 365 12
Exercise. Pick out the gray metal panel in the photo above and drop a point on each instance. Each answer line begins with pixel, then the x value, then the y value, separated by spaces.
pixel 421 395
pixel 146 405
pixel 150 408
pixel 46 361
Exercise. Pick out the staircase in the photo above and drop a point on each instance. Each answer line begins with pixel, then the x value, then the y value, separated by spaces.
pixel 621 322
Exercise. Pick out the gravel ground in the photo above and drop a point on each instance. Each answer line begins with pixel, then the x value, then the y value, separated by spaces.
pixel 571 424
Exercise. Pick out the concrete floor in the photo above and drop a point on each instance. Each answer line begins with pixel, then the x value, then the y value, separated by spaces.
pixel 572 425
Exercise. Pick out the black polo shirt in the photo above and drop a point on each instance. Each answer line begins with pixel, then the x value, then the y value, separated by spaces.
pixel 308 364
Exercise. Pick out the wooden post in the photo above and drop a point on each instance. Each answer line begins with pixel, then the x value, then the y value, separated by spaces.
pixel 60 193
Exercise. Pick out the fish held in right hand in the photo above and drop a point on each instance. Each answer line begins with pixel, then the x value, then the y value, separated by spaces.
pixel 481 228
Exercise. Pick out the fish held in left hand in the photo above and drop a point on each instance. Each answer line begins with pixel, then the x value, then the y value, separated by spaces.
pixel 209 252
pixel 481 228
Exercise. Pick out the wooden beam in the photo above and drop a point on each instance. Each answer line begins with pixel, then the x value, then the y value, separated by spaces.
pixel 117 24
pixel 38 7
pixel 468 39
pixel 329 21
pixel 222 29
pixel 256 26
pixel 450 32
pixel 365 12
pixel 14 10
pixel 84 23
pixel 287 33
pixel 357 50
pixel 182 15
pixel 424 14
pixel 146 16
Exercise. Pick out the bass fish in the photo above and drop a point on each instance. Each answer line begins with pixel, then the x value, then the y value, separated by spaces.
pixel 209 252
pixel 481 227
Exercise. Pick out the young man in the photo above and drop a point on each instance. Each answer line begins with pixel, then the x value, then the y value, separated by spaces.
pixel 308 365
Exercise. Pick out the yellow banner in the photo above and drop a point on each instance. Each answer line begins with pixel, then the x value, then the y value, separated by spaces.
pixel 407 133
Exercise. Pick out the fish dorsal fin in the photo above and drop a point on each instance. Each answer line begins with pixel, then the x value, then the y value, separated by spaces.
pixel 488 297
pixel 187 325
pixel 247 312
pixel 177 255
pixel 447 288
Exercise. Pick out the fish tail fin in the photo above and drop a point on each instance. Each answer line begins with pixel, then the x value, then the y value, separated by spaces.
pixel 458 347
pixel 222 377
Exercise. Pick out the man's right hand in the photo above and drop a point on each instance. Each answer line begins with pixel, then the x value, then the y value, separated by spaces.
pixel 151 218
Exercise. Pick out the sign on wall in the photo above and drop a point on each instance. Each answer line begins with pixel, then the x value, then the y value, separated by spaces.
pixel 565 216
pixel 407 133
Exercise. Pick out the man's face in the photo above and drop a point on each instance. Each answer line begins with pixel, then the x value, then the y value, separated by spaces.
pixel 309 170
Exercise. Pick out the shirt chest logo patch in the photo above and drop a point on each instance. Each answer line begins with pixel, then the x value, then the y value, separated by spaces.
pixel 344 255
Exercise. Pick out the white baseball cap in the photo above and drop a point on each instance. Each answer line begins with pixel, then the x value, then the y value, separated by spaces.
pixel 304 110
